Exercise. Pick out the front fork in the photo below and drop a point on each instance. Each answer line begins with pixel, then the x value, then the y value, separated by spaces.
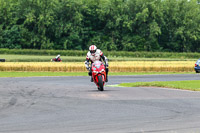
pixel 96 77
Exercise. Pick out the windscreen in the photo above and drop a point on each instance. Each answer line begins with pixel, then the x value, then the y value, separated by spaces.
pixel 97 64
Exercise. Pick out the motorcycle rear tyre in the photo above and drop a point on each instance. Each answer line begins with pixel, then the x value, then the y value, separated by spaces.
pixel 100 88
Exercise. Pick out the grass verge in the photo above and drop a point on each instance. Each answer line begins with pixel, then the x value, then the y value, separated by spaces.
pixel 37 74
pixel 47 58
pixel 193 85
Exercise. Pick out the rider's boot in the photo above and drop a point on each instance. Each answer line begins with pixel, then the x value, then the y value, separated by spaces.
pixel 106 78
pixel 91 79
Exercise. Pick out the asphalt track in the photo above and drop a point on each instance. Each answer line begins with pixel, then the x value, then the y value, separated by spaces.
pixel 73 105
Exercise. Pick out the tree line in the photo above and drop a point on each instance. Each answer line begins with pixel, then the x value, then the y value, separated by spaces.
pixel 120 25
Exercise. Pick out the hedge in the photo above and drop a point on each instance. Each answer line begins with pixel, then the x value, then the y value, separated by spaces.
pixel 137 54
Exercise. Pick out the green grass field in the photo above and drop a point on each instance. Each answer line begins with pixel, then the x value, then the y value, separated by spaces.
pixel 37 74
pixel 43 58
pixel 193 85
pixel 38 58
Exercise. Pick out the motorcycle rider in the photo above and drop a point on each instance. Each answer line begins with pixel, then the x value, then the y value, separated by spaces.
pixel 57 59
pixel 93 55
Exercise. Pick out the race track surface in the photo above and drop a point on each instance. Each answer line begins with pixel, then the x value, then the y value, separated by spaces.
pixel 73 105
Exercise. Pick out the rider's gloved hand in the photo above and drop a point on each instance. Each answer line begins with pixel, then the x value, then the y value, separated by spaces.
pixel 107 65
pixel 88 68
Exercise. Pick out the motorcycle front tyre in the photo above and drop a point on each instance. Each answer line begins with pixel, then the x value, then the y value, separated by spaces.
pixel 100 88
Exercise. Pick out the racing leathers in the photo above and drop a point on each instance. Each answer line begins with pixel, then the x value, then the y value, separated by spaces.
pixel 97 56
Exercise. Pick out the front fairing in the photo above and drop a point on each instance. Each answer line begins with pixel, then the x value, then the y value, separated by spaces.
pixel 98 69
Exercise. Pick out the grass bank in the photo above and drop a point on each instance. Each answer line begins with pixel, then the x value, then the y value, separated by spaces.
pixel 38 74
pixel 193 85
pixel 135 54
pixel 47 58
pixel 40 58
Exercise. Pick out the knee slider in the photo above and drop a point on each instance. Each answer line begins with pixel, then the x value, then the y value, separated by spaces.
pixel 90 73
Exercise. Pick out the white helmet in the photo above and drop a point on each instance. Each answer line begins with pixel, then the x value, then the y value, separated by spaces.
pixel 92 49
pixel 57 56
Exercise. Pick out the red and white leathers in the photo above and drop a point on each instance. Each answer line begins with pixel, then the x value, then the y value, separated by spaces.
pixel 93 55
pixel 97 56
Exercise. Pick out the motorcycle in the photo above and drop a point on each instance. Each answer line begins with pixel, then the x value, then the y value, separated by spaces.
pixel 56 60
pixel 99 74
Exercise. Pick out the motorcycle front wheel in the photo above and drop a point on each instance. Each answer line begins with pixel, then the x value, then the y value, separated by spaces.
pixel 100 83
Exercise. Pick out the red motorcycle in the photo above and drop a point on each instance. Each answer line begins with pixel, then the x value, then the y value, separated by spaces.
pixel 56 60
pixel 99 74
